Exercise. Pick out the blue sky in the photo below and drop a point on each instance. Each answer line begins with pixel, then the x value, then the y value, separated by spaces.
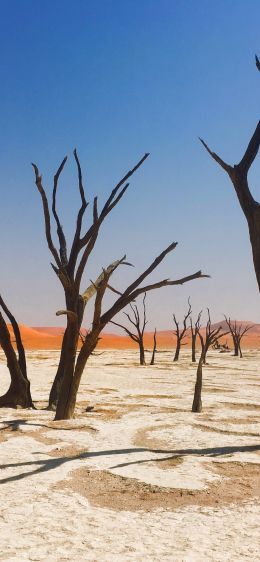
pixel 117 79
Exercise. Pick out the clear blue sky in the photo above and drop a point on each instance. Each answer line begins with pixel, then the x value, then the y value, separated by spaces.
pixel 116 79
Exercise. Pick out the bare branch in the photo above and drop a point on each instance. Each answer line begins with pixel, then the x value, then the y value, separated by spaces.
pixel 81 188
pixel 99 297
pixel 62 239
pixel 114 290
pixel 168 283
pixel 251 151
pixel 151 268
pixel 219 160
pixel 126 298
pixel 108 205
pixel 238 173
pixel 38 181
pixel 84 204
pixel 111 202
pixel 70 313
pixel 100 291
pixel 91 290
pixel 130 334
pixel 91 235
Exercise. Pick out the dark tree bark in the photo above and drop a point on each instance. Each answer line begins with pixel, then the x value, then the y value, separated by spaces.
pixel 180 334
pixel 154 348
pixel 197 402
pixel 55 389
pixel 209 339
pixel 194 328
pixel 237 332
pixel 69 269
pixel 238 175
pixel 18 393
pixel 139 326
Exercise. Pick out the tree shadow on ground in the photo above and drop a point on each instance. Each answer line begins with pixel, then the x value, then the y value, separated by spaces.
pixel 53 463
pixel 14 425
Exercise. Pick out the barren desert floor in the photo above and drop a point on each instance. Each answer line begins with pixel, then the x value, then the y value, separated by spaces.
pixel 135 476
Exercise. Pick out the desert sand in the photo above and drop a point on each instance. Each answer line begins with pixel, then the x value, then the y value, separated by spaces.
pixel 135 476
pixel 51 337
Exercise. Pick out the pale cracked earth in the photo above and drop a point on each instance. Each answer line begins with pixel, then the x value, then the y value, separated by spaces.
pixel 138 477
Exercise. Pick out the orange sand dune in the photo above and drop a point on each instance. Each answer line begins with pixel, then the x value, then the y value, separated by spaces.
pixel 35 339
pixel 51 337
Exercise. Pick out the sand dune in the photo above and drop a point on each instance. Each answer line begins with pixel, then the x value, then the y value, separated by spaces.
pixel 50 337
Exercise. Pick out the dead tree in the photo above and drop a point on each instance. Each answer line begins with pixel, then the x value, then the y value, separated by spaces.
pixel 154 347
pixel 238 175
pixel 207 340
pixel 69 268
pixel 220 347
pixel 194 328
pixel 180 334
pixel 139 326
pixel 237 332
pixel 19 393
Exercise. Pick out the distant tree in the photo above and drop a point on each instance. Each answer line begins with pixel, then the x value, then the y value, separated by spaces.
pixel 238 175
pixel 237 332
pixel 220 347
pixel 208 339
pixel 19 393
pixel 154 347
pixel 180 333
pixel 194 328
pixel 69 268
pixel 139 326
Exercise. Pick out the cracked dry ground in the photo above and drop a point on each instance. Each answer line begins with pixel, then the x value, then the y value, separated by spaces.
pixel 135 476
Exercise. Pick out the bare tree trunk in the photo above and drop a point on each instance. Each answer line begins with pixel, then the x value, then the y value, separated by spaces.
pixel 197 402
pixel 210 338
pixel 68 373
pixel 177 351
pixel 56 386
pixel 142 353
pixel 154 348
pixel 68 394
pixel 236 348
pixel 193 349
pixel 18 393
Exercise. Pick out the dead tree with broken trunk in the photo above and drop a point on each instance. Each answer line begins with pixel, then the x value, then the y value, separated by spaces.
pixel 154 347
pixel 237 331
pixel 18 393
pixel 139 322
pixel 208 339
pixel 238 175
pixel 69 268
pixel 180 333
pixel 194 329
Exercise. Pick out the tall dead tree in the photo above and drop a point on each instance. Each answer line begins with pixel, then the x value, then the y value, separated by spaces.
pixel 154 347
pixel 208 339
pixel 19 393
pixel 180 333
pixel 194 329
pixel 238 175
pixel 237 332
pixel 139 325
pixel 69 268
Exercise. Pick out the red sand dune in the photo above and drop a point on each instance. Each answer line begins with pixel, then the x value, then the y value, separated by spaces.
pixel 51 337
